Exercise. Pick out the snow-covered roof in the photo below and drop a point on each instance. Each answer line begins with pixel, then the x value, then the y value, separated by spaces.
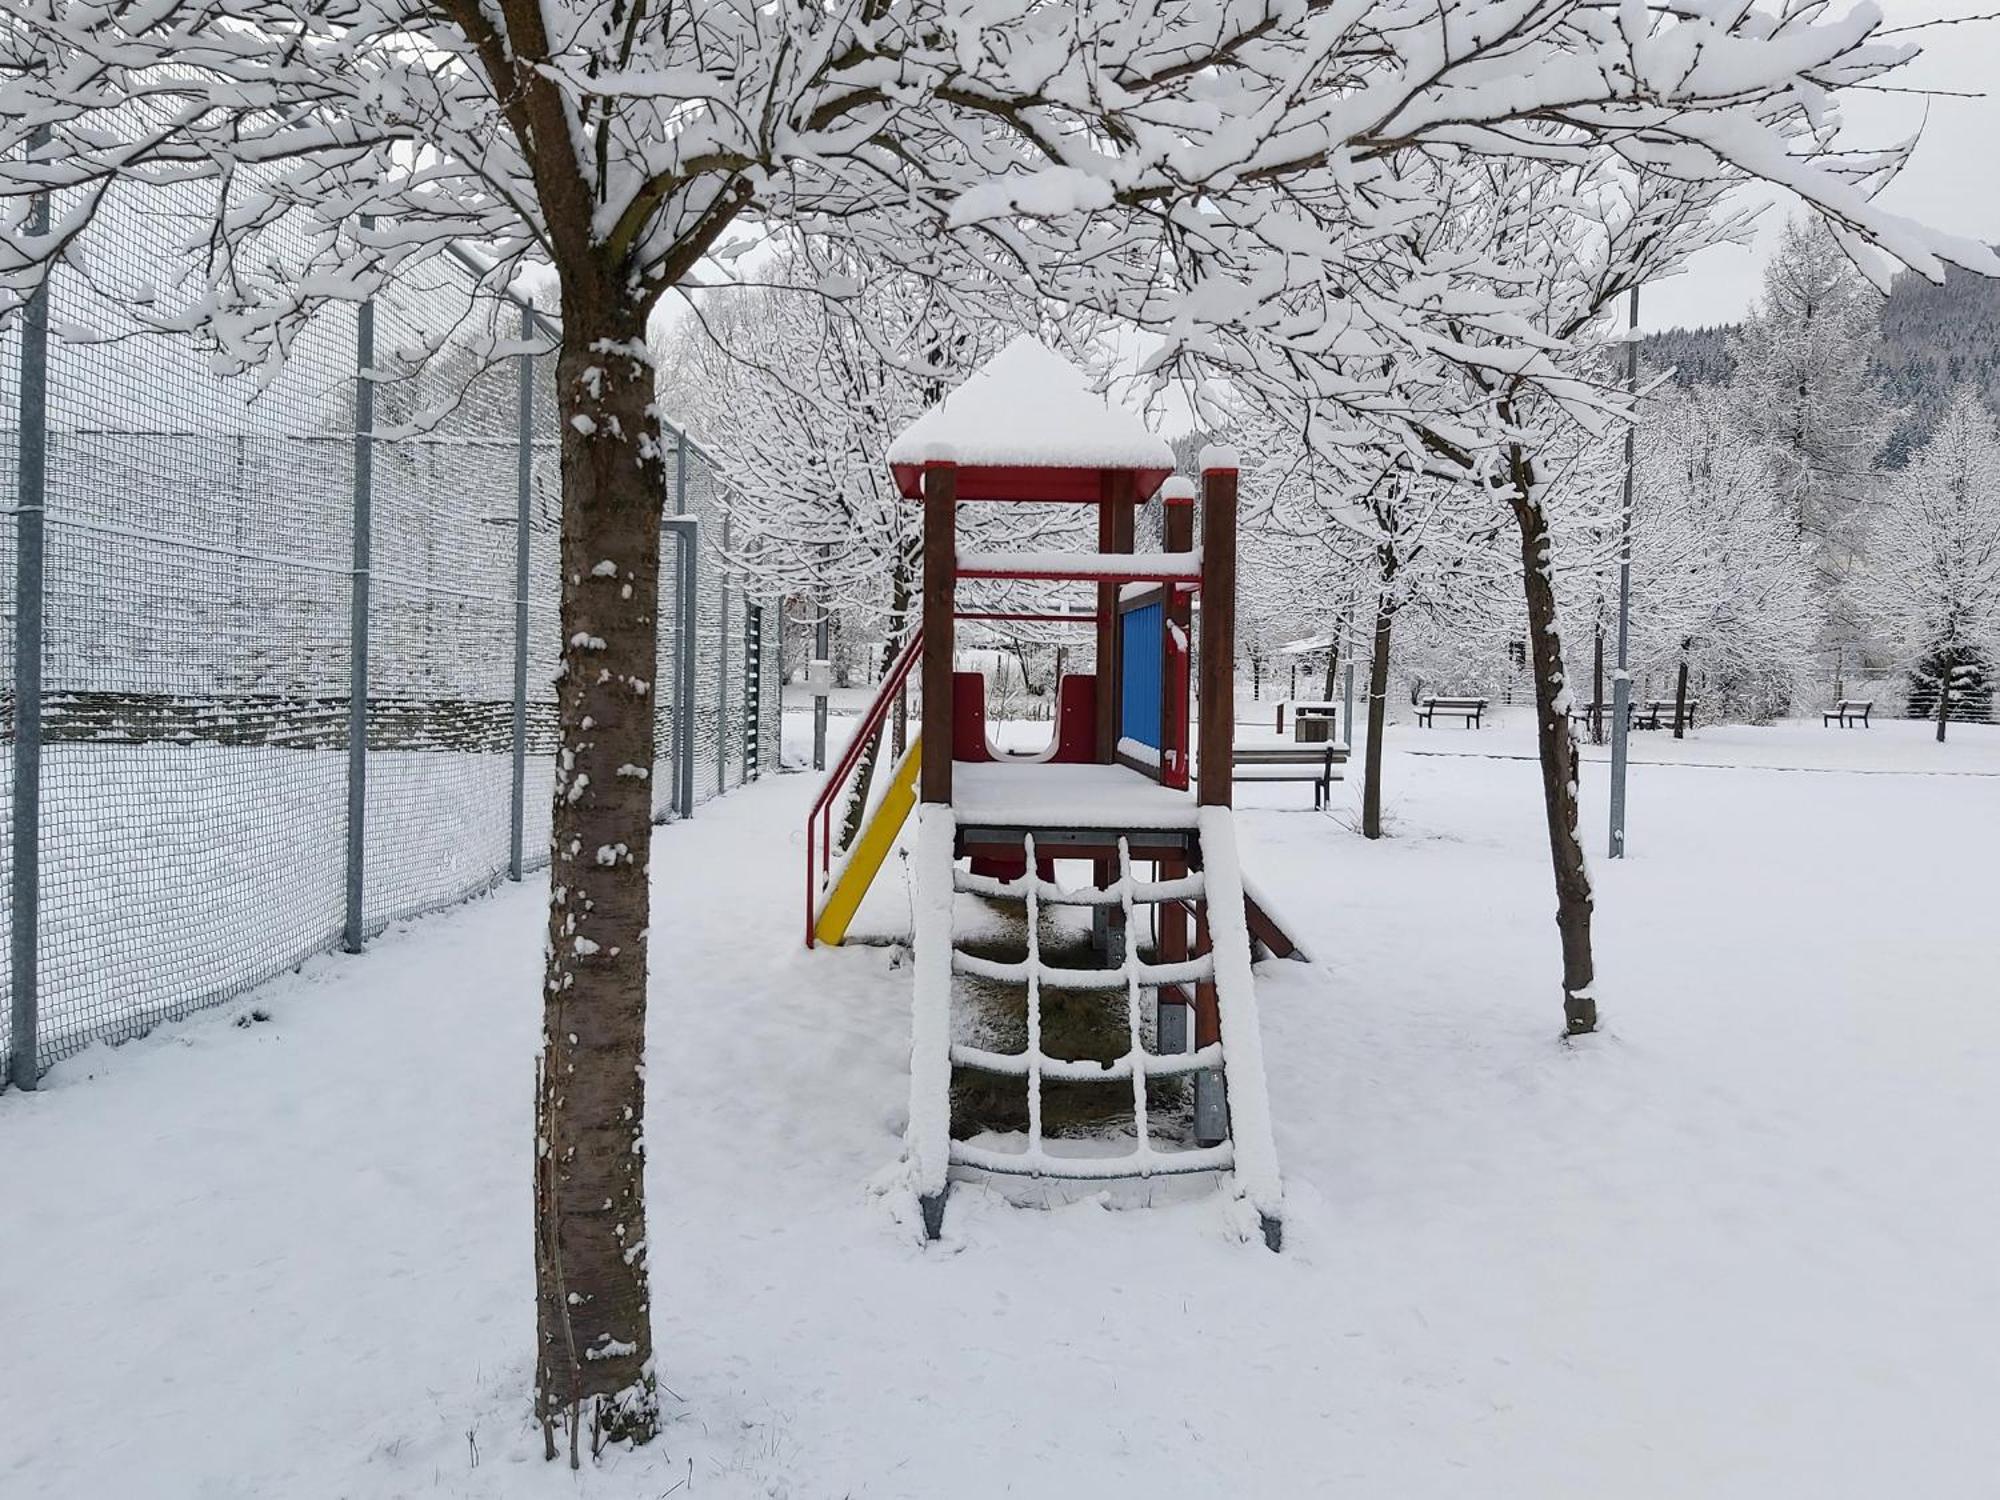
pixel 1028 407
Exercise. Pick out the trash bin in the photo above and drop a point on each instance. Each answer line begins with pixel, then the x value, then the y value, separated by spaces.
pixel 1312 726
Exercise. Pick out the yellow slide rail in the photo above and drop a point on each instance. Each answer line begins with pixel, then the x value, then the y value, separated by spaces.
pixel 864 861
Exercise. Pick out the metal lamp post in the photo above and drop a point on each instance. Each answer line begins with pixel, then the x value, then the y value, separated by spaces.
pixel 1621 681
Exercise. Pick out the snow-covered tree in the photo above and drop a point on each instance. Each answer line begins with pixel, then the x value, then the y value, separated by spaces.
pixel 1932 579
pixel 1200 167
pixel 1561 248
pixel 1804 392
pixel 799 384
pixel 1425 548
pixel 1723 586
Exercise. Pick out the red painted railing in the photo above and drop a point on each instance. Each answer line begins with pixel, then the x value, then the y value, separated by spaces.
pixel 819 822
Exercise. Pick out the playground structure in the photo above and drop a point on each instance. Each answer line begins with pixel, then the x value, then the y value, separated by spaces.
pixel 1134 785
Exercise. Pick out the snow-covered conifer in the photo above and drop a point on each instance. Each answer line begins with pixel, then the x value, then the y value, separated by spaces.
pixel 1931 582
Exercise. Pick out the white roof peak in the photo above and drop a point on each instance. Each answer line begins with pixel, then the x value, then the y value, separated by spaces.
pixel 1029 406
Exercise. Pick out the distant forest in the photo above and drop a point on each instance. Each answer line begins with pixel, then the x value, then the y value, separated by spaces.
pixel 1932 340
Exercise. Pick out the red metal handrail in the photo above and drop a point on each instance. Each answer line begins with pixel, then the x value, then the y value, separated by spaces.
pixel 820 851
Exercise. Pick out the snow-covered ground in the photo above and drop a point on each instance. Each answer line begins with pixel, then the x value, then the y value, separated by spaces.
pixel 1741 1244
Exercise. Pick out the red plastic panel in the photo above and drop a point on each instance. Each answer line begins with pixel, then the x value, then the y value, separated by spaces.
pixel 968 716
pixel 1076 719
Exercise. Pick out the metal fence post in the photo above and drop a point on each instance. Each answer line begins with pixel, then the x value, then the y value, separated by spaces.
pixel 690 622
pixel 722 667
pixel 687 637
pixel 778 678
pixel 357 702
pixel 687 535
pixel 24 1050
pixel 1347 699
pixel 524 483
pixel 753 690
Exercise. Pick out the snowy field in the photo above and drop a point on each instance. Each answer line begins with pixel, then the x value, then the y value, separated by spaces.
pixel 1740 1244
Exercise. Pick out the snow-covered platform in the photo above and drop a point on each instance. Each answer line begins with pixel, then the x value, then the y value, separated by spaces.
pixel 1051 795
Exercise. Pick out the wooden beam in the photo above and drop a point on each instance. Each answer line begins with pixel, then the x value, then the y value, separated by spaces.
pixel 940 589
pixel 1177 526
pixel 1265 929
pixel 1114 534
pixel 1218 635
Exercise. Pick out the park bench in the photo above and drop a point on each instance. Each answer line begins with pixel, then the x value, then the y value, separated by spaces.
pixel 1588 711
pixel 1657 709
pixel 1849 712
pixel 1469 709
pixel 1314 763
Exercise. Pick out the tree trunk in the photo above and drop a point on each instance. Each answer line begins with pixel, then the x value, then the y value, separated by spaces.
pixel 594 1338
pixel 1378 713
pixel 1558 755
pixel 1333 670
pixel 1597 688
pixel 1944 697
pixel 1681 698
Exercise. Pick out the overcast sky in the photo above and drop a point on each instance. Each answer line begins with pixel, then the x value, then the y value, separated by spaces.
pixel 1953 183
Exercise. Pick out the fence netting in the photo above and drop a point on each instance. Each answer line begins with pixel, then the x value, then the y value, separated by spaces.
pixel 199 607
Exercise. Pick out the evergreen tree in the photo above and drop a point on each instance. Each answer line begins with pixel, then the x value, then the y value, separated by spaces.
pixel 1933 580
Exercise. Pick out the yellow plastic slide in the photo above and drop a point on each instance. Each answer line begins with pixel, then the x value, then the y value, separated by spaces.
pixel 850 884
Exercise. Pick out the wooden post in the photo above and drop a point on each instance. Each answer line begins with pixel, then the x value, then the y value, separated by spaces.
pixel 1218 635
pixel 1173 949
pixel 1177 528
pixel 1114 534
pixel 940 586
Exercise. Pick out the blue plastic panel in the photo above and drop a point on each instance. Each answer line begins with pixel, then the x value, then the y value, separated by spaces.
pixel 1139 709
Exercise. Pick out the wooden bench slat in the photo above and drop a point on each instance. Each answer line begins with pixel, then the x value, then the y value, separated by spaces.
pixel 1287 763
pixel 1472 710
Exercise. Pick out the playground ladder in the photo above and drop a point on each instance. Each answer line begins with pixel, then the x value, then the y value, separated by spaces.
pixel 1232 1117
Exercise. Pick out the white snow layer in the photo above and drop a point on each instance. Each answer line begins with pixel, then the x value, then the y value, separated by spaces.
pixel 1139 750
pixel 1065 796
pixel 927 1141
pixel 1739 1247
pixel 1242 1032
pixel 1030 406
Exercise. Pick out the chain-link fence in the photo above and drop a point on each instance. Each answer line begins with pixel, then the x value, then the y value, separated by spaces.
pixel 282 668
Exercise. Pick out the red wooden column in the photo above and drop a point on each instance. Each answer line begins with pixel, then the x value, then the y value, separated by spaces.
pixel 1218 633
pixel 1114 534
pixel 1177 495
pixel 1178 498
pixel 940 588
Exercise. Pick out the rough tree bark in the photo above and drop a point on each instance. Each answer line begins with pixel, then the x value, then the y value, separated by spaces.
pixel 593 1327
pixel 1681 695
pixel 1557 744
pixel 1378 712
